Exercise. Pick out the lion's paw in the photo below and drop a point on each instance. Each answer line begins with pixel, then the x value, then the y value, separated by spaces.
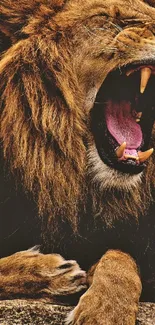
pixel 35 275
pixel 86 312
pixel 79 316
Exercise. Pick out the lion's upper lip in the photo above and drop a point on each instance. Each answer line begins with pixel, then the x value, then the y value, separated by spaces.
pixel 124 112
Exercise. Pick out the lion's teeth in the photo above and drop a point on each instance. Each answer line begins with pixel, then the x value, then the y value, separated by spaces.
pixel 143 156
pixel 120 150
pixel 145 76
pixel 131 157
pixel 138 116
pixel 129 72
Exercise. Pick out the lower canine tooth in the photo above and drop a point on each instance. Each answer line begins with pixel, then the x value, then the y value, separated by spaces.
pixel 143 156
pixel 120 150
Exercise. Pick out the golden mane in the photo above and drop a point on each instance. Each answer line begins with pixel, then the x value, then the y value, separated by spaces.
pixel 44 124
pixel 34 119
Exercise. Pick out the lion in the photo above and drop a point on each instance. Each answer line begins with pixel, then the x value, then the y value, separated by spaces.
pixel 77 155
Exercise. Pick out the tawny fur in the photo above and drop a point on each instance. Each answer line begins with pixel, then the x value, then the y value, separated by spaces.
pixel 46 75
pixel 54 59
pixel 115 297
pixel 38 276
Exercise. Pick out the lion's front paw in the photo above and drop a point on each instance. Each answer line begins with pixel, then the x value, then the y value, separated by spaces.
pixel 113 295
pixel 35 275
pixel 97 308
pixel 87 312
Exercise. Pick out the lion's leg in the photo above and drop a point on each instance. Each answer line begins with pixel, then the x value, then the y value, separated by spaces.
pixel 30 274
pixel 114 294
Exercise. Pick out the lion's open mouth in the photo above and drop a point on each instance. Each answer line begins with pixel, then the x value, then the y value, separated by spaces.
pixel 123 115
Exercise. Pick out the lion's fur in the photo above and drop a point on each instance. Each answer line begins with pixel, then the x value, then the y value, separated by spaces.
pixel 44 115
pixel 45 127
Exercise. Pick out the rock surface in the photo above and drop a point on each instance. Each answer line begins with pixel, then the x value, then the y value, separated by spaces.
pixel 24 312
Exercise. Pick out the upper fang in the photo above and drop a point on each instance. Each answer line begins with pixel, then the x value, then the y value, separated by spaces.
pixel 145 76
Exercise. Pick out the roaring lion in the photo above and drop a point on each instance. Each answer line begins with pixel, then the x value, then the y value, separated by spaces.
pixel 77 84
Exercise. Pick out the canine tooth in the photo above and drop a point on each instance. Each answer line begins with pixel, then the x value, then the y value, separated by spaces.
pixel 145 76
pixel 143 156
pixel 137 120
pixel 120 150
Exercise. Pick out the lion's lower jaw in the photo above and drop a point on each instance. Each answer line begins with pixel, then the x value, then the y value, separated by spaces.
pixel 108 178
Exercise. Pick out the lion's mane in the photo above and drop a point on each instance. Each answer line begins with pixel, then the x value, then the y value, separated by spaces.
pixel 42 132
pixel 44 123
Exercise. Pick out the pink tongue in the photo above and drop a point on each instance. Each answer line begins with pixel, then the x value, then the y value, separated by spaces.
pixel 122 125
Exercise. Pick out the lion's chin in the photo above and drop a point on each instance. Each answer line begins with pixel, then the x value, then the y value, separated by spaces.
pixel 108 178
pixel 122 119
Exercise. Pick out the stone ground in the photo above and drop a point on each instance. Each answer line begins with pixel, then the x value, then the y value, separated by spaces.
pixel 23 312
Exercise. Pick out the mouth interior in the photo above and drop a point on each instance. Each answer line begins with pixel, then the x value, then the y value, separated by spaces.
pixel 121 113
pixel 122 124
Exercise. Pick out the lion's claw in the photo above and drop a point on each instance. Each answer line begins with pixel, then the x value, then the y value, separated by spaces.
pixel 35 275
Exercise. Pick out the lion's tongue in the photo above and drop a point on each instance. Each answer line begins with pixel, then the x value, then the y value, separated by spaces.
pixel 122 125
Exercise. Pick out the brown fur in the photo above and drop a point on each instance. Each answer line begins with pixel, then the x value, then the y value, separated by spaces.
pixel 44 82
pixel 58 55
pixel 36 112
pixel 117 298
pixel 37 276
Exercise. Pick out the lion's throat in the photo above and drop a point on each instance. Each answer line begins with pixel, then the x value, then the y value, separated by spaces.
pixel 122 125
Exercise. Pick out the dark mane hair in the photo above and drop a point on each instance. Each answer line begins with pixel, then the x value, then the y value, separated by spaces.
pixel 43 120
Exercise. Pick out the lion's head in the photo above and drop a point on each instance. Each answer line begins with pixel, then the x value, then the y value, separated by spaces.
pixel 78 101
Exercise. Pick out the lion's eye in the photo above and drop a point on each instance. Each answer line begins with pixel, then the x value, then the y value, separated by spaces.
pixel 101 15
pixel 130 22
pixel 103 22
